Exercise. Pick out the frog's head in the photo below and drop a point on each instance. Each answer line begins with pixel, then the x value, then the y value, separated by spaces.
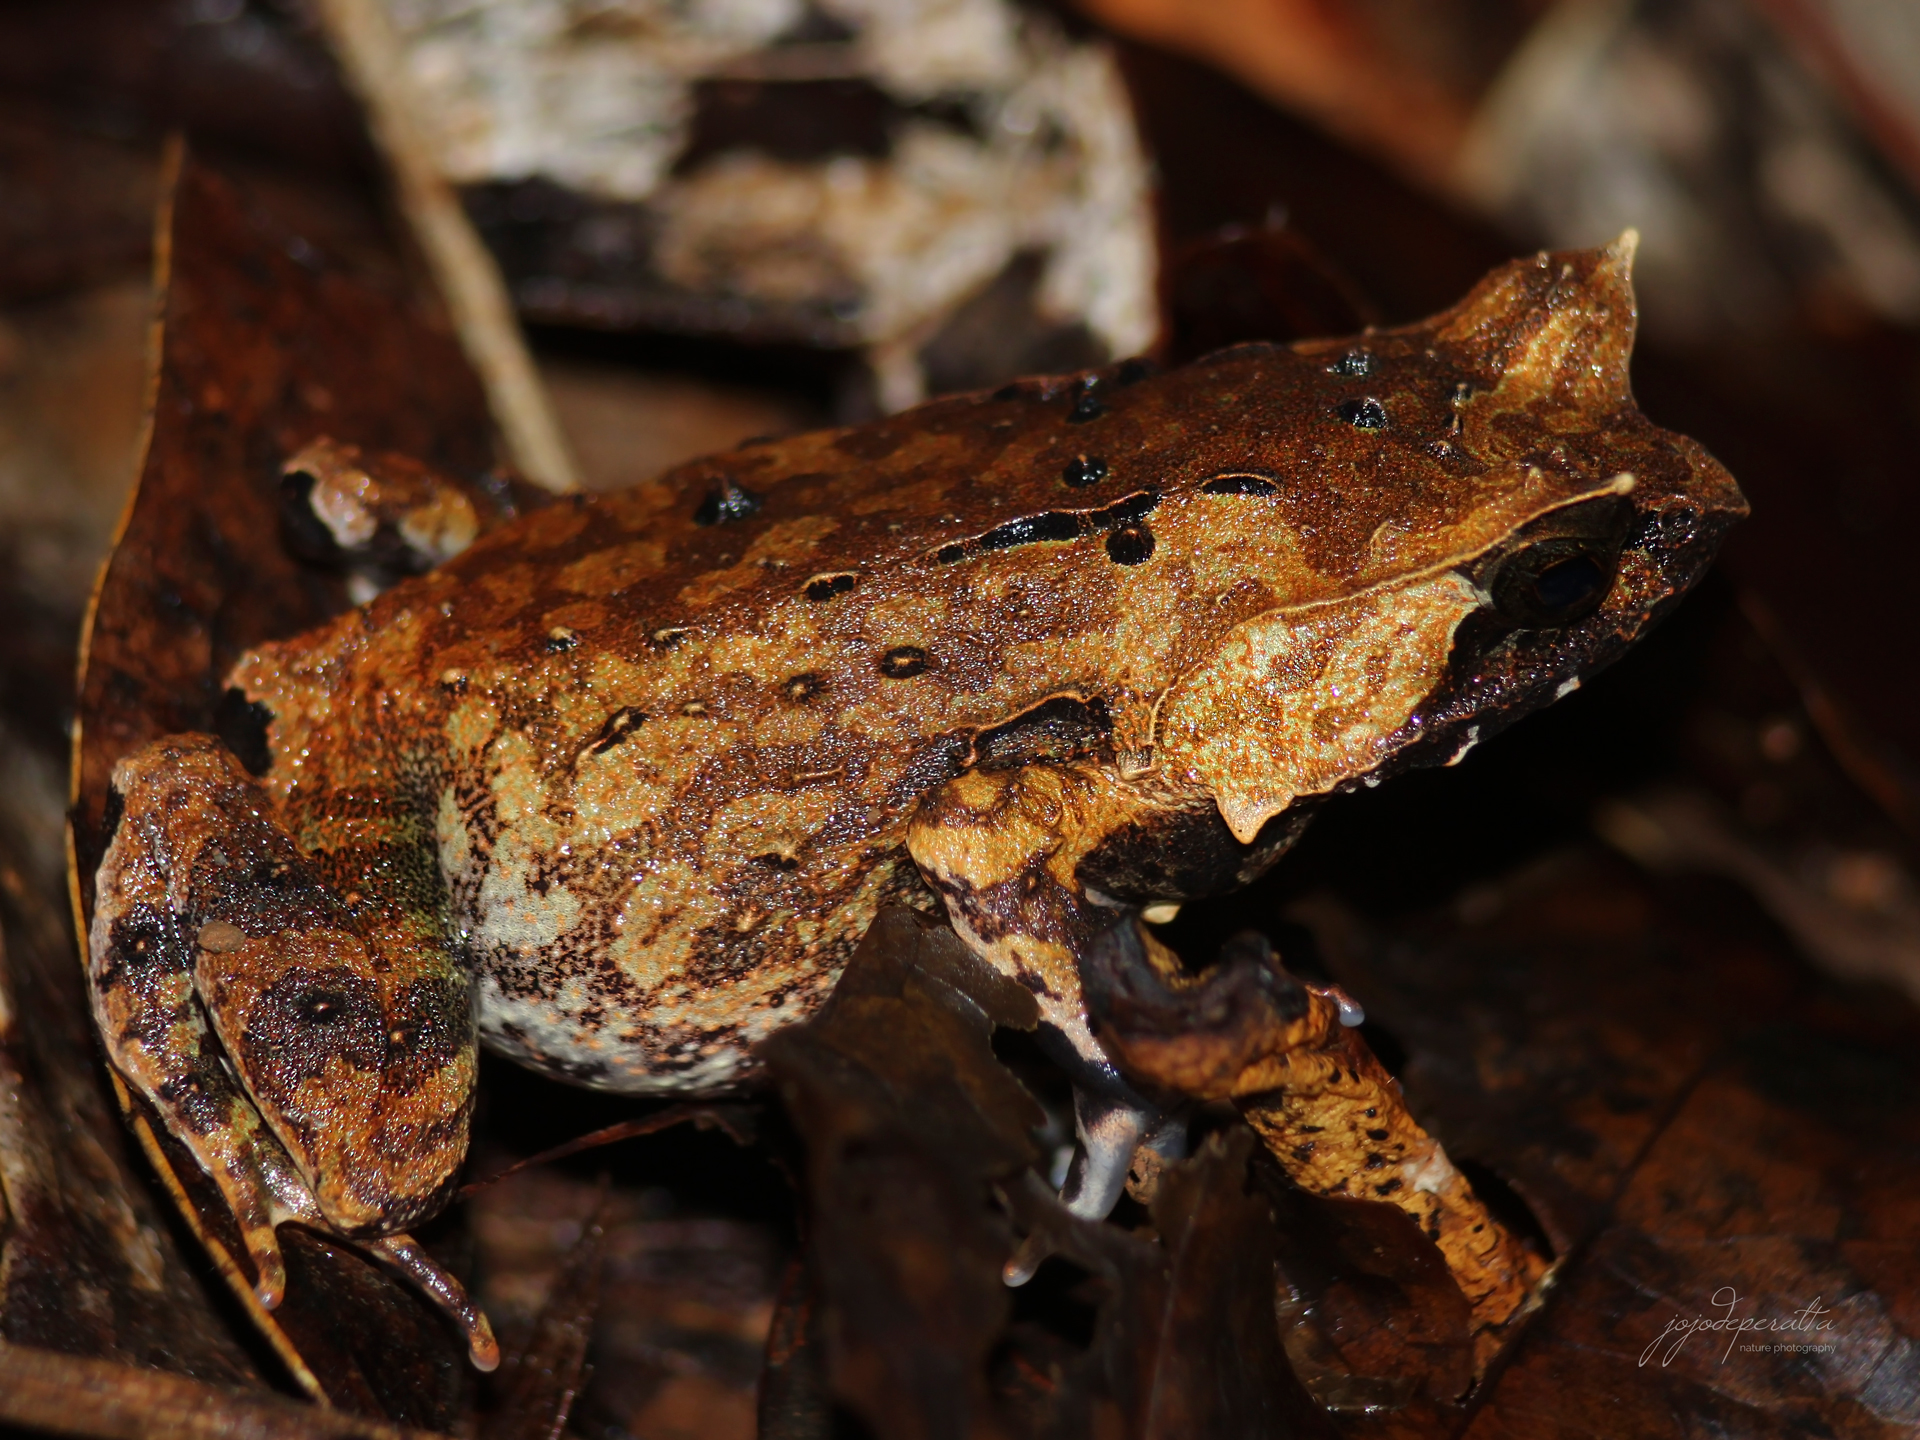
pixel 1606 519
pixel 1474 517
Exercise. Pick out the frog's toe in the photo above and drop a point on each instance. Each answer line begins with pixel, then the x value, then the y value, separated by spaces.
pixel 206 1112
pixel 269 1267
pixel 240 1186
pixel 1111 1130
pixel 402 1253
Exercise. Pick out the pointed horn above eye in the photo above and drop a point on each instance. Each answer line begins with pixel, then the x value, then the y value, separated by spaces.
pixel 1557 329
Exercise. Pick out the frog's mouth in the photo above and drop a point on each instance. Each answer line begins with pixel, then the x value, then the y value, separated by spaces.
pixel 1566 598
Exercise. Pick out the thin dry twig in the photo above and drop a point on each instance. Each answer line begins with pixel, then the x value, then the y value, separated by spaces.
pixel 469 280
pixel 729 1118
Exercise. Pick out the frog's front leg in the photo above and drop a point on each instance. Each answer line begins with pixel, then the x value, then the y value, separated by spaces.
pixel 310 1043
pixel 1004 850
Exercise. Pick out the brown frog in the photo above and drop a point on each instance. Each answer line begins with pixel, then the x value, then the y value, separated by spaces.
pixel 616 790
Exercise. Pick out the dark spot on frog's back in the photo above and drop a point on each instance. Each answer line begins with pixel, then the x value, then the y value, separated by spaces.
pixel 622 723
pixel 1088 404
pixel 1058 728
pixel 1052 527
pixel 1363 413
pixel 827 587
pixel 1243 482
pixel 727 503
pixel 1084 470
pixel 903 662
pixel 242 725
pixel 802 688
pixel 1130 545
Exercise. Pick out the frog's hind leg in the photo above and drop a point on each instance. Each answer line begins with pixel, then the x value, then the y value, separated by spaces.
pixel 1003 848
pixel 315 1059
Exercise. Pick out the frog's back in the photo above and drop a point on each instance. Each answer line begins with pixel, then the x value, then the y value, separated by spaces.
pixel 670 740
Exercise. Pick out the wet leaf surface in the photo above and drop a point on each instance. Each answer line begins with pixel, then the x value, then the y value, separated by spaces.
pixel 1371 1319
pixel 686 1293
pixel 1213 1352
pixel 542 1378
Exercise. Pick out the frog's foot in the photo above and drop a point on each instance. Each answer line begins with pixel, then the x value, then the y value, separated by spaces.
pixel 387 512
pixel 316 1075
pixel 1112 1131
pixel 403 1255
pixel 1290 1057
pixel 291 1201
pixel 385 515
pixel 1003 848
pixel 1112 1127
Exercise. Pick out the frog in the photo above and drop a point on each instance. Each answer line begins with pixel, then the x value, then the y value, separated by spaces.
pixel 615 790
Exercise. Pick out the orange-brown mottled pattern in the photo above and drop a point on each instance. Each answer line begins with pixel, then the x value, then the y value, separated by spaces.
pixel 671 765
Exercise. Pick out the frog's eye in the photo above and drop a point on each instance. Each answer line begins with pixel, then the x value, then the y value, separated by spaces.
pixel 1551 583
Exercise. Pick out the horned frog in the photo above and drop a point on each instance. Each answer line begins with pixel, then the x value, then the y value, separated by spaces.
pixel 616 790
